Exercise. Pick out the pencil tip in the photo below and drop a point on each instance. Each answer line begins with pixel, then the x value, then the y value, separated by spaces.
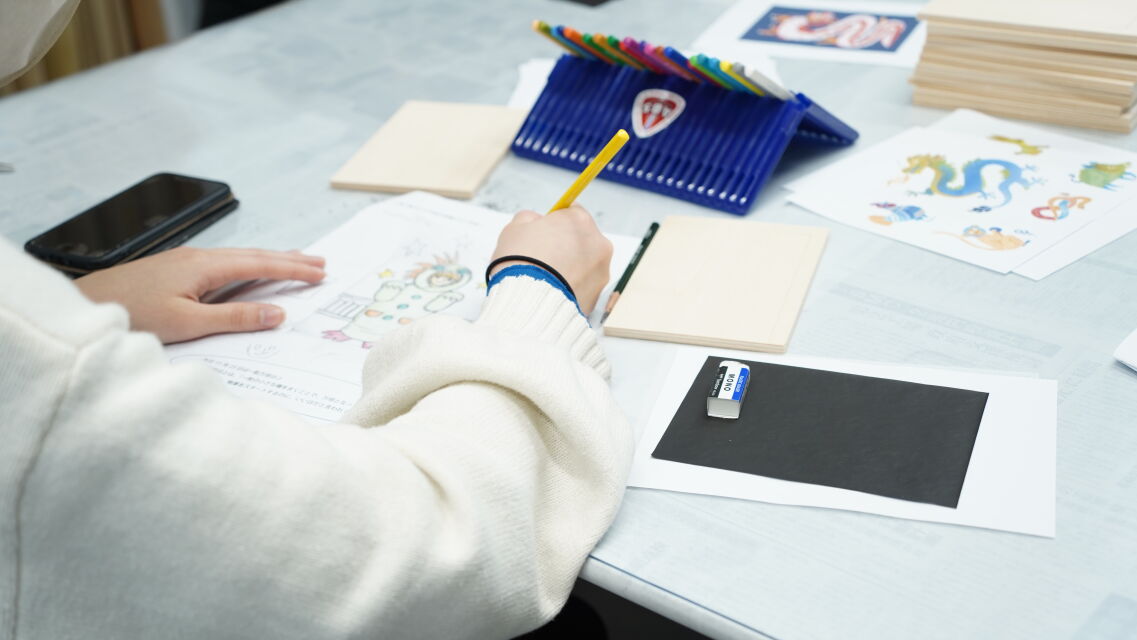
pixel 604 317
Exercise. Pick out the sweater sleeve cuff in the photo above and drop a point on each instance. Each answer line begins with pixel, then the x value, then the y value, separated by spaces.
pixel 537 273
pixel 530 307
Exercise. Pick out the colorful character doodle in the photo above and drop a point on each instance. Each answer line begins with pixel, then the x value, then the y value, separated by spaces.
pixel 832 28
pixel 1059 206
pixel 990 239
pixel 429 288
pixel 899 213
pixel 1024 148
pixel 972 176
pixel 1097 174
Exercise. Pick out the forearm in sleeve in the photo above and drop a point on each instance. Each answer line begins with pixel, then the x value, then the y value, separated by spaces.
pixel 491 460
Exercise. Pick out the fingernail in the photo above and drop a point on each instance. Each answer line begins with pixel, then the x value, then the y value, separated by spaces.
pixel 271 316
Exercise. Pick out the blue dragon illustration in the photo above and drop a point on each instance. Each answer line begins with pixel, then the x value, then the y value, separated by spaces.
pixel 972 177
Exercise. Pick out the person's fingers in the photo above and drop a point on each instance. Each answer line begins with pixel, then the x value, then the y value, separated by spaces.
pixel 317 260
pixel 573 211
pixel 581 216
pixel 250 251
pixel 232 317
pixel 222 270
pixel 294 255
pixel 524 216
pixel 577 210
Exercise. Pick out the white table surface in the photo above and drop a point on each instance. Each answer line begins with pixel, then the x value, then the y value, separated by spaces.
pixel 273 104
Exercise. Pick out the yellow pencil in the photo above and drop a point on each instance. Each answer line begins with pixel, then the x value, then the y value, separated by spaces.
pixel 591 170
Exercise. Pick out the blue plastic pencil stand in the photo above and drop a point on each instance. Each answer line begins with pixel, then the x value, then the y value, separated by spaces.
pixel 693 141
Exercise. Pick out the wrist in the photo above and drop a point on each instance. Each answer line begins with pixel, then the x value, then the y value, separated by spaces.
pixel 500 266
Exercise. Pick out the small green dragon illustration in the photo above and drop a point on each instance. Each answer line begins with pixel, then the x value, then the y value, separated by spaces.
pixel 1097 174
pixel 972 177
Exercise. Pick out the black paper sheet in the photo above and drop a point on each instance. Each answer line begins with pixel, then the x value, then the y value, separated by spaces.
pixel 885 437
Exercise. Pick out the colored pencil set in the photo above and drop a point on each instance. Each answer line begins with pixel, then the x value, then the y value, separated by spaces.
pixel 697 136
pixel 644 56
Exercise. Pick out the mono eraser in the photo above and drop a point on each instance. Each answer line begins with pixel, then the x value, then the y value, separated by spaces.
pixel 728 390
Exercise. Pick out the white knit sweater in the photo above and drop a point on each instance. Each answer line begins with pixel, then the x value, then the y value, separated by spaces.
pixel 140 499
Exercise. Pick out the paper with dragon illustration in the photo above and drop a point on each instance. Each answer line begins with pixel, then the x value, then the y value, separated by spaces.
pixel 389 266
pixel 866 32
pixel 1097 233
pixel 995 201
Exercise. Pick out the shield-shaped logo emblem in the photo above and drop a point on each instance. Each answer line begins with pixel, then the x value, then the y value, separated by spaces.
pixel 654 110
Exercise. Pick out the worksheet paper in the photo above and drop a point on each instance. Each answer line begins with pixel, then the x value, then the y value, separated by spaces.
pixel 863 32
pixel 993 200
pixel 1010 482
pixel 394 262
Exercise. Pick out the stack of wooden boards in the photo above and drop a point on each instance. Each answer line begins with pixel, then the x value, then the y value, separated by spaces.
pixel 1071 63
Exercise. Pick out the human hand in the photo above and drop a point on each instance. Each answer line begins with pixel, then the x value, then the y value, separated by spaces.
pixel 569 241
pixel 163 292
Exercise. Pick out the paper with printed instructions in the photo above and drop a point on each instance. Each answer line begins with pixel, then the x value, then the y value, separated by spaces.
pixel 391 264
pixel 996 200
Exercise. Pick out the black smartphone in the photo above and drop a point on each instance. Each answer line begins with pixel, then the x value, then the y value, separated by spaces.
pixel 156 214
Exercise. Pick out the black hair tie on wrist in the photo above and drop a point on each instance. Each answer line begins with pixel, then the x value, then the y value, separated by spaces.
pixel 534 262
